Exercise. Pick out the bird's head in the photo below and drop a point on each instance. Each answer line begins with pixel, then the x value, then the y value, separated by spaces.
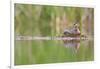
pixel 76 26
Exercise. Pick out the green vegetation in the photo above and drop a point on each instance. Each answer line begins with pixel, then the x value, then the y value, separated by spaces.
pixel 51 20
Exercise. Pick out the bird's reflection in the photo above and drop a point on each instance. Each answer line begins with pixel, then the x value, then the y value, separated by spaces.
pixel 72 44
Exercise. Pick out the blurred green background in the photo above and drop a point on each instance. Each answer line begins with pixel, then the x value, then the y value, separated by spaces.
pixel 37 20
pixel 45 20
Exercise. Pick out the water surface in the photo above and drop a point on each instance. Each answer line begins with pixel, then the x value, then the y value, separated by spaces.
pixel 52 51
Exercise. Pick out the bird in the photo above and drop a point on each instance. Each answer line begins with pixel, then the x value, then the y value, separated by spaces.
pixel 74 32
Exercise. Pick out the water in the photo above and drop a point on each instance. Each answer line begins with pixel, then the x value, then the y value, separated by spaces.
pixel 52 51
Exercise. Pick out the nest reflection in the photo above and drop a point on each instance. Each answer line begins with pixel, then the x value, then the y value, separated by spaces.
pixel 72 44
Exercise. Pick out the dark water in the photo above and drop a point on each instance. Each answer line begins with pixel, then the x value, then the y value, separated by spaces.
pixel 53 51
